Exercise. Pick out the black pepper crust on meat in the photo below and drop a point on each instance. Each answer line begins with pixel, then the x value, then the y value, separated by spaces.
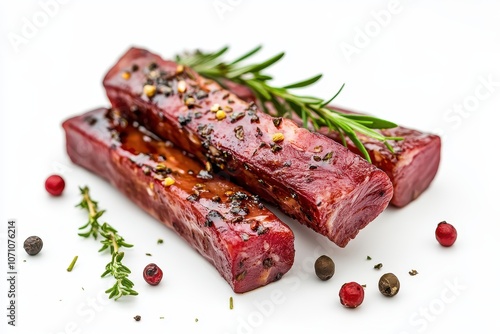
pixel 247 146
pixel 225 224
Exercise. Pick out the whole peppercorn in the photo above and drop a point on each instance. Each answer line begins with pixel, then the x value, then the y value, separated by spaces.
pixel 388 285
pixel 33 245
pixel 446 234
pixel 152 274
pixel 351 295
pixel 324 267
pixel 54 185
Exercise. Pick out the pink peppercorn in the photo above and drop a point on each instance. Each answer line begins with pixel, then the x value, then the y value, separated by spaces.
pixel 54 185
pixel 446 234
pixel 351 294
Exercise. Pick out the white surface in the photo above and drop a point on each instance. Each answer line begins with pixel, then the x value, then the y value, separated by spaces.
pixel 424 60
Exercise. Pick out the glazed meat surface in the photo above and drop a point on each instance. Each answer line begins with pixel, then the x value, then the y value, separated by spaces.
pixel 247 243
pixel 411 168
pixel 307 175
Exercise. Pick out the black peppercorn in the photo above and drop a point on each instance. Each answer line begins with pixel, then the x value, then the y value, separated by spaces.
pixel 33 245
pixel 388 285
pixel 324 267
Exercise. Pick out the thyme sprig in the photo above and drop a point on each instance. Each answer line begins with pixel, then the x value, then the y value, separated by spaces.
pixel 111 240
pixel 310 109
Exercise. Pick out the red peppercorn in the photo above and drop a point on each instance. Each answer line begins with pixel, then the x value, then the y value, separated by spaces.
pixel 351 294
pixel 54 185
pixel 152 274
pixel 446 234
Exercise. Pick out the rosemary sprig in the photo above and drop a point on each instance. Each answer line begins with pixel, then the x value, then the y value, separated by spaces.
pixel 112 241
pixel 311 110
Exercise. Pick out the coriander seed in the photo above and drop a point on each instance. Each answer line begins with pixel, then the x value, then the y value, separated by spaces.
pixel 168 181
pixel 126 75
pixel 181 86
pixel 220 115
pixel 215 107
pixel 149 90
pixel 190 102
pixel 324 267
pixel 389 285
pixel 278 137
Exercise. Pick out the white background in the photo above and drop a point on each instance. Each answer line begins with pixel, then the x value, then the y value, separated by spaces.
pixel 417 66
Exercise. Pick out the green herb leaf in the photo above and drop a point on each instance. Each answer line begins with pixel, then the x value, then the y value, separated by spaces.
pixel 304 83
pixel 112 241
pixel 333 97
pixel 278 101
pixel 246 55
pixel 370 121
pixel 237 72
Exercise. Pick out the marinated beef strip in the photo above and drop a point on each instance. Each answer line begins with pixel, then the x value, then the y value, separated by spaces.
pixel 307 175
pixel 411 168
pixel 247 243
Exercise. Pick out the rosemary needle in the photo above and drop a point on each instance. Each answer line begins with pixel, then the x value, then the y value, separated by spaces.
pixel 311 110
